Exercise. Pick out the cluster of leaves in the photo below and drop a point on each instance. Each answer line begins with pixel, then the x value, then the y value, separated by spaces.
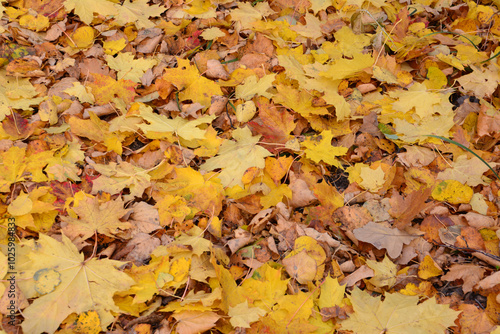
pixel 268 166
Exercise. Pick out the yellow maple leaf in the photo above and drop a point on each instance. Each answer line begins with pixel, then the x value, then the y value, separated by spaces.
pixel 203 9
pixel 397 314
pixel 83 93
pixel 88 322
pixel 38 23
pixel 252 87
pixel 193 86
pixel 161 126
pixel 346 43
pixel 346 68
pixel 85 9
pixel 138 12
pixel 292 311
pixel 129 68
pixel 34 210
pixel 320 148
pixel 95 217
pixel 98 130
pixel 116 177
pixel 173 209
pixel 62 166
pixel 113 47
pixel 149 278
pixel 200 192
pixel 194 238
pixel 312 28
pixel 234 158
pixel 416 97
pixel 265 287
pixel 242 315
pixel 275 196
pixel 371 179
pixel 245 14
pixel 418 132
pixel 16 166
pixel 482 82
pixel 385 272
pixel 12 167
pixel 76 286
pixel 294 69
pixel 298 100
pixel 16 93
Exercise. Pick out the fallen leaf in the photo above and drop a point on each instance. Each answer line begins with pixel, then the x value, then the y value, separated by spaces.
pixel 385 272
pixel 236 157
pixel 470 274
pixel 397 314
pixel 384 237
pixel 100 276
pixel 428 268
pixel 242 315
pixel 193 322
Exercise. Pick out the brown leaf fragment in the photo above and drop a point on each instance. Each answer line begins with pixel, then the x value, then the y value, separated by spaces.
pixel 17 127
pixel 470 238
pixel 362 272
pixel 24 68
pixel 470 274
pixel 215 70
pixel 301 194
pixel 301 266
pixel 352 217
pixel 192 322
pixel 474 320
pixel 489 282
pixel 431 225
pixel 479 221
pixel 384 237
pixel 336 311
pixel 487 124
pixel 407 208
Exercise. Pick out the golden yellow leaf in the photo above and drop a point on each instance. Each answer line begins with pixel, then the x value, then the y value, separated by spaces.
pixel 95 217
pixel 242 315
pixel 453 192
pixel 129 68
pixel 320 149
pixel 234 158
pixel 397 314
pixel 385 272
pixel 332 293
pixel 84 285
pixel 428 268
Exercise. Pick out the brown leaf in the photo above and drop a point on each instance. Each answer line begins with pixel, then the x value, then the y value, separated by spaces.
pixel 362 272
pixel 407 208
pixel 384 237
pixel 194 322
pixel 470 238
pixel 474 320
pixel 470 274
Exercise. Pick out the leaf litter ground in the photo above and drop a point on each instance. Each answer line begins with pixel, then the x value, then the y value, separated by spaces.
pixel 249 167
